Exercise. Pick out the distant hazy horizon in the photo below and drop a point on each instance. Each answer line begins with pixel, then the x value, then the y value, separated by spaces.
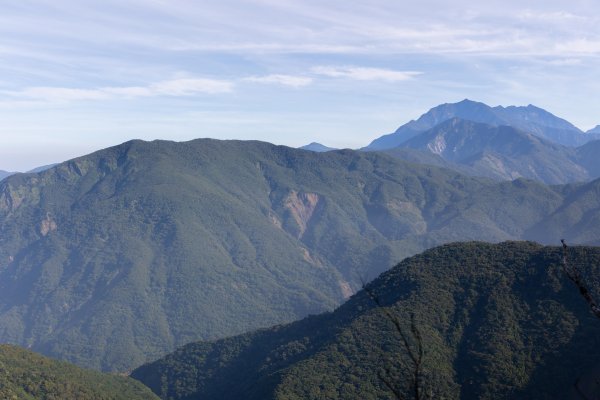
pixel 77 77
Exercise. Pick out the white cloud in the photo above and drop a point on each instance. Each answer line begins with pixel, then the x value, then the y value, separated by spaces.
pixel 61 94
pixel 188 87
pixel 174 87
pixel 580 47
pixel 565 62
pixel 285 80
pixel 364 73
pixel 556 16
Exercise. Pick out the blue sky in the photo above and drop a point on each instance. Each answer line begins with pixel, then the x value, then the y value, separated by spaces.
pixel 76 76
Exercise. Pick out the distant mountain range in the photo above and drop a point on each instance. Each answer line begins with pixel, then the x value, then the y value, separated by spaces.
pixel 240 235
pixel 502 152
pixel 318 147
pixel 530 119
pixel 496 321
pixel 4 174
pixel 500 143
pixel 595 130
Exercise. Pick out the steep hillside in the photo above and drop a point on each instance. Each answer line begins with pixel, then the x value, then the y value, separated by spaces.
pixel 579 213
pixel 531 119
pixel 588 156
pixel 28 376
pixel 118 257
pixel 500 152
pixel 497 322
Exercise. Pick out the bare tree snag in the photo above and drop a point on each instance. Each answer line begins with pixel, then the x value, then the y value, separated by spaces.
pixel 414 349
pixel 575 276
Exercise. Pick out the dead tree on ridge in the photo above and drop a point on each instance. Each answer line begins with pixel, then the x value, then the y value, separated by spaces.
pixel 575 276
pixel 414 348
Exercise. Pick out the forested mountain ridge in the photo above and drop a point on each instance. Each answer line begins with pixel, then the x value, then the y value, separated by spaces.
pixel 118 257
pixel 28 376
pixel 497 322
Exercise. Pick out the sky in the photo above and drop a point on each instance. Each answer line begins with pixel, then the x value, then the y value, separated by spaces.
pixel 77 76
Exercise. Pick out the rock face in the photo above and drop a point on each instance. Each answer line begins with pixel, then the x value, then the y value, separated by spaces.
pixel 47 225
pixel 301 207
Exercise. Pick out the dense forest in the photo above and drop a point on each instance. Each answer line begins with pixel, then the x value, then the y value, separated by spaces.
pixel 28 376
pixel 497 322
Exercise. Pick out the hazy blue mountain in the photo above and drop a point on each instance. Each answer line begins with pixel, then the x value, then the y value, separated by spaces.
pixel 594 131
pixel 541 123
pixel 588 156
pixel 4 174
pixel 530 119
pixel 103 259
pixel 318 147
pixel 497 322
pixel 500 152
pixel 466 109
pixel 42 168
pixel 580 211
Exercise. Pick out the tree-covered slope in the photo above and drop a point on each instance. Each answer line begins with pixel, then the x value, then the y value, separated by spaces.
pixel 28 376
pixel 497 322
pixel 116 258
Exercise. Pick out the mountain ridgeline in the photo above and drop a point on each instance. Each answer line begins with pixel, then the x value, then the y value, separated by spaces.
pixel 499 143
pixel 503 153
pixel 116 258
pixel 530 119
pixel 497 322
pixel 4 174
pixel 318 147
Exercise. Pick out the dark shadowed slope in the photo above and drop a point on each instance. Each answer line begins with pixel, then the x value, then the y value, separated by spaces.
pixel 498 322
pixel 28 376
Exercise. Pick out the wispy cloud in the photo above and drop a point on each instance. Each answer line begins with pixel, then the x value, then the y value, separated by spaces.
pixel 365 73
pixel 174 87
pixel 560 16
pixel 580 47
pixel 285 80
